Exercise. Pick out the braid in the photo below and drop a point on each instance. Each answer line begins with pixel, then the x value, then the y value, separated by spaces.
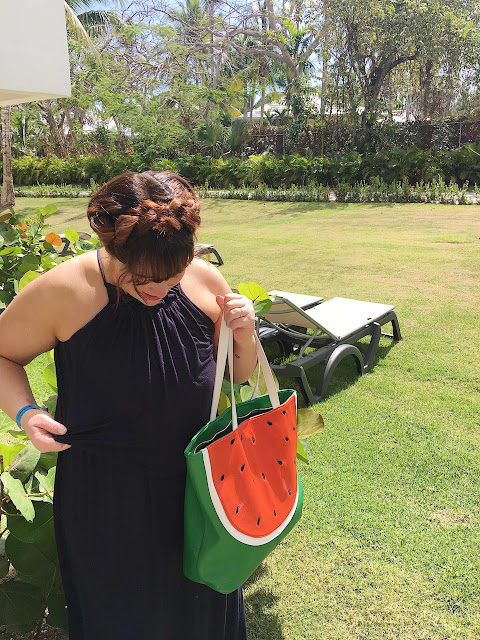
pixel 147 221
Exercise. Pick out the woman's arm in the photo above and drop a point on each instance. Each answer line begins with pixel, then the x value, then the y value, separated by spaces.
pixel 205 285
pixel 27 328
pixel 240 317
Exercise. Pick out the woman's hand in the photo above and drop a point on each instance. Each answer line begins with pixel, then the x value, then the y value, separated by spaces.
pixel 239 316
pixel 41 428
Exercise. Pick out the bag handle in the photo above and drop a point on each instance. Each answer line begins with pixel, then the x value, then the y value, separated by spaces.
pixel 224 353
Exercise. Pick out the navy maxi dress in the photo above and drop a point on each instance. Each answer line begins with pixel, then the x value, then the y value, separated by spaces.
pixel 135 384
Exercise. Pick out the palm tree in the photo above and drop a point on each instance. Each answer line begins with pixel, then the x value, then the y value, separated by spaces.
pixel 83 23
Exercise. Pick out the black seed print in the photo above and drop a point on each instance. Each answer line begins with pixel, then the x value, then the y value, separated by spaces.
pixel 263 476
pixel 289 492
pixel 237 509
pixel 284 413
pixel 241 437
pixel 258 521
pixel 279 462
pixel 232 441
pixel 253 440
pixel 294 428
pixel 274 512
pixel 223 477
pixel 287 438
pixel 269 423
pixel 242 467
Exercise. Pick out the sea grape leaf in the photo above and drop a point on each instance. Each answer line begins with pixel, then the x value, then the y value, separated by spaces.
pixel 223 403
pixel 309 422
pixel 47 482
pixel 258 295
pixel 18 495
pixel 301 453
pixel 57 611
pixel 36 563
pixel 27 277
pixel 51 405
pixel 21 606
pixel 226 387
pixel 245 392
pixel 72 235
pixel 262 387
pixel 86 245
pixel 50 375
pixel 15 433
pixel 49 209
pixel 33 532
pixel 24 462
pixel 4 563
pixel 47 460
pixel 9 452
pixel 54 239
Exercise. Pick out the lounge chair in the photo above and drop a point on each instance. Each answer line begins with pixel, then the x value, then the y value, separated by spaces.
pixel 335 328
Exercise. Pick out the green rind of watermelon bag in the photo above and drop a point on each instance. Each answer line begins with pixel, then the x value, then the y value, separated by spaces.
pixel 240 505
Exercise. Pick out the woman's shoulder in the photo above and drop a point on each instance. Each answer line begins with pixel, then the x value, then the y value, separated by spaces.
pixel 69 294
pixel 204 273
pixel 51 308
pixel 202 282
pixel 74 271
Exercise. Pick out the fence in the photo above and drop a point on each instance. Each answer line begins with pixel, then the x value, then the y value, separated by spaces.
pixel 338 137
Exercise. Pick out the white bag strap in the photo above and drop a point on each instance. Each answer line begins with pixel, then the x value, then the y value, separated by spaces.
pixel 224 352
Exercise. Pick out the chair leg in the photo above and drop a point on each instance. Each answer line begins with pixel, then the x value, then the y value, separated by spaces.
pixel 397 334
pixel 372 347
pixel 332 363
pixel 305 388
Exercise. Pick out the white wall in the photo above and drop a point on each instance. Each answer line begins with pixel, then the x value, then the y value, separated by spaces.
pixel 34 61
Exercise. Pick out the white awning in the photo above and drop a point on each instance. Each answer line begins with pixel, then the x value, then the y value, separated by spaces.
pixel 34 62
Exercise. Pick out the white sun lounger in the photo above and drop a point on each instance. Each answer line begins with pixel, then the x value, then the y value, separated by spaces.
pixel 336 325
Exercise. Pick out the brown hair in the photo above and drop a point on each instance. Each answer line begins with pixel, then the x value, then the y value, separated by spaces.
pixel 148 222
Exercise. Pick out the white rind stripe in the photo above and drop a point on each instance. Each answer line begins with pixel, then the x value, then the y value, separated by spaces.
pixel 238 535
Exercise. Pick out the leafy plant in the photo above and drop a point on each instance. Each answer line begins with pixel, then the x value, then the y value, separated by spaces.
pixel 26 252
pixel 30 582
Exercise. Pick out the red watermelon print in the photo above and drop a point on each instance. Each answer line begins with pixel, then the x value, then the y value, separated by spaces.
pixel 255 496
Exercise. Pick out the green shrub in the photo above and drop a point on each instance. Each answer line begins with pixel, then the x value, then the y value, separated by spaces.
pixel 24 255
pixel 394 165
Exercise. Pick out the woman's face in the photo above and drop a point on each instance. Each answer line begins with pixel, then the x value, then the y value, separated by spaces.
pixel 152 292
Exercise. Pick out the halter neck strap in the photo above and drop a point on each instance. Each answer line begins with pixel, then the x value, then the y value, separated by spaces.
pixel 99 260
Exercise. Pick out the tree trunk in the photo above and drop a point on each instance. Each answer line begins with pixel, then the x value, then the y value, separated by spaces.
pixel 262 103
pixel 7 198
pixel 57 135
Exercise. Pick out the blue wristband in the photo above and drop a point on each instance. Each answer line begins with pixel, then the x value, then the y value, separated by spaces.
pixel 24 410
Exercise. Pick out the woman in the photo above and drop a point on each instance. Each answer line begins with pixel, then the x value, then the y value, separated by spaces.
pixel 134 327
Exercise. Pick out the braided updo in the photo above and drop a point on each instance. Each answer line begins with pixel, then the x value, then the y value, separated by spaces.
pixel 148 222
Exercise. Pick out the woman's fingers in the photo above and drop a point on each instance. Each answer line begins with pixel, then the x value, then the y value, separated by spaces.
pixel 41 429
pixel 239 315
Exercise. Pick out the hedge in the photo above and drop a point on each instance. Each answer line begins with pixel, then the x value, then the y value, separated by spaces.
pixel 396 165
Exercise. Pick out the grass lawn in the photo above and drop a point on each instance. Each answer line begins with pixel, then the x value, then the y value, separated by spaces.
pixel 388 547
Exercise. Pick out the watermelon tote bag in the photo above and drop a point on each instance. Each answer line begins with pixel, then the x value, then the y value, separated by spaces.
pixel 243 493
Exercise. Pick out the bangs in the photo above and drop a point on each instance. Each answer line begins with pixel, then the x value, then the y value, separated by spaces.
pixel 159 258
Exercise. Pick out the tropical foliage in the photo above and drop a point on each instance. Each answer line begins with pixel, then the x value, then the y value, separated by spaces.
pixel 395 165
pixel 150 79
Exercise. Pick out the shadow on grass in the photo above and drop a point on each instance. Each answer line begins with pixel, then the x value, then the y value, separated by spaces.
pixel 260 603
pixel 290 208
pixel 344 376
